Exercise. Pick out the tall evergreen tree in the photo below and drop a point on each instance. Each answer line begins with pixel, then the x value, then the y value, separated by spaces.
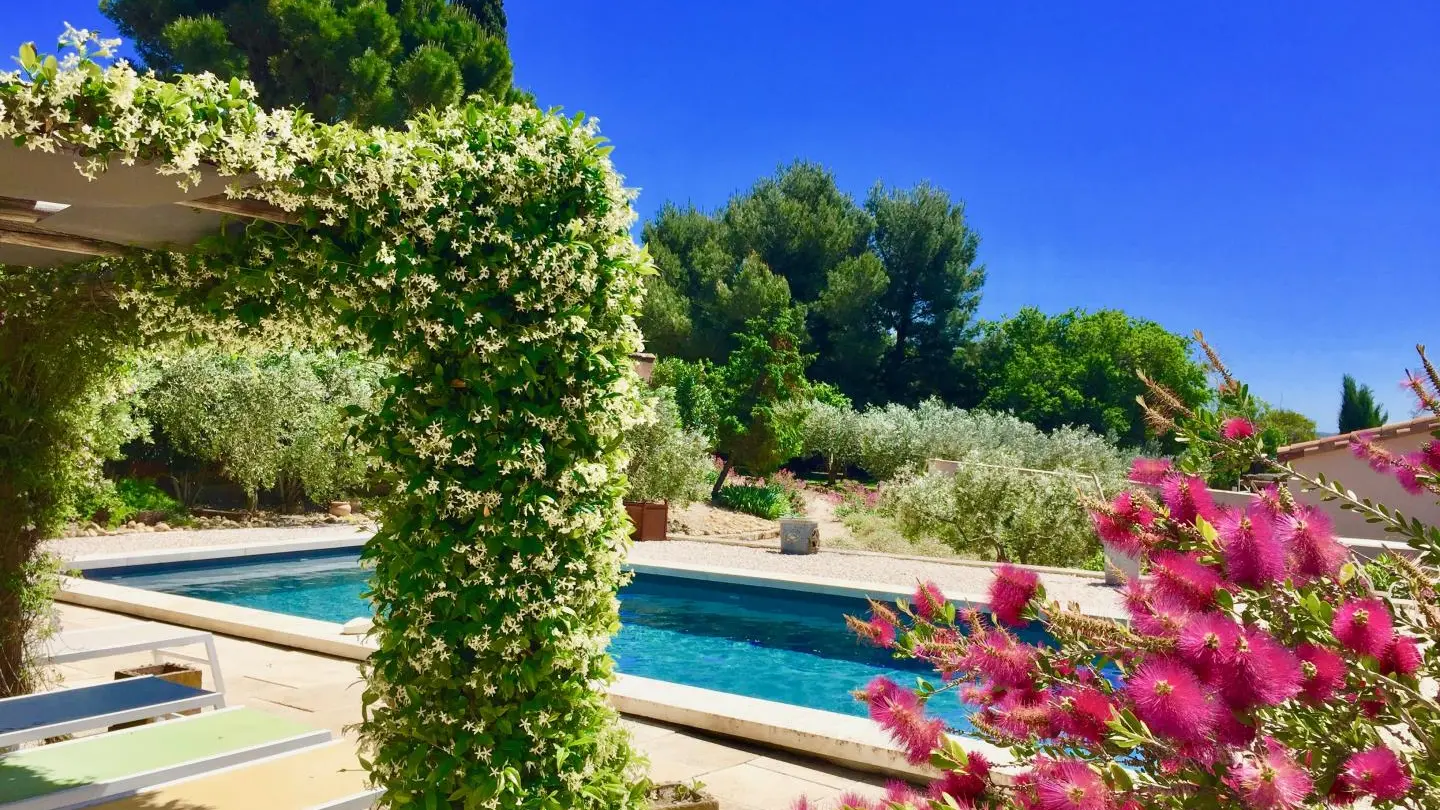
pixel 929 304
pixel 888 303
pixel 1358 408
pixel 365 61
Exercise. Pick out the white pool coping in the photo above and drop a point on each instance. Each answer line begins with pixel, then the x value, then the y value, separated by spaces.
pixel 853 742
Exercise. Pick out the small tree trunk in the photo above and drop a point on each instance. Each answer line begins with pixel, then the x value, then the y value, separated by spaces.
pixel 720 480
pixel 830 471
pixel 17 545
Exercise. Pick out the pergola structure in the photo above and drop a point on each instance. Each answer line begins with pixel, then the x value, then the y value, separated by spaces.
pixel 50 214
pixel 484 253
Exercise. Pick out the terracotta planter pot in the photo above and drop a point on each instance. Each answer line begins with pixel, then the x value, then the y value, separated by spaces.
pixel 649 519
pixel 340 508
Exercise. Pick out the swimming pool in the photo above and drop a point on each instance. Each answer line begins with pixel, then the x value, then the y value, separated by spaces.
pixel 770 643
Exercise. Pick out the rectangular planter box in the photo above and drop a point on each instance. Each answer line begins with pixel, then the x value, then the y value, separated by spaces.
pixel 649 519
pixel 174 673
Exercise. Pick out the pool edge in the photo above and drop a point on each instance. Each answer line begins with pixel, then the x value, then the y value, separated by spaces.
pixel 852 742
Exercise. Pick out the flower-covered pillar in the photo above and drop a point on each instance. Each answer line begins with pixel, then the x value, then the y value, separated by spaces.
pixel 498 561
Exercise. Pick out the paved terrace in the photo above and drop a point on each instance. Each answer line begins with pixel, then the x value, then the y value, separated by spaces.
pixel 325 693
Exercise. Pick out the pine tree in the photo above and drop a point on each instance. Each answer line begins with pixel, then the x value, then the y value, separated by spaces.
pixel 365 61
pixel 1358 409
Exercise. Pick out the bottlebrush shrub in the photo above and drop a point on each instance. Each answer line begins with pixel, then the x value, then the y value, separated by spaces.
pixel 484 253
pixel 1259 668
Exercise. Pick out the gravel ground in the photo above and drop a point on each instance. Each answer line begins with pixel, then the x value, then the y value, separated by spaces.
pixel 71 547
pixel 959 580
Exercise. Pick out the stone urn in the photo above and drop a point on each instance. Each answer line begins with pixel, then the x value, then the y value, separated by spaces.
pixel 799 536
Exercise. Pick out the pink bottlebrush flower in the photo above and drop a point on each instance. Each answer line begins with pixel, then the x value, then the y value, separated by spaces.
pixel 1363 447
pixel 1010 591
pixel 1431 453
pixel 1408 470
pixel 1403 657
pixel 965 784
pixel 1150 470
pixel 1117 524
pixel 1187 498
pixel 1322 672
pixel 851 800
pixel 1208 644
pixel 877 630
pixel 1269 781
pixel 1309 539
pixel 1237 429
pixel 1377 772
pixel 1070 785
pixel 1022 714
pixel 1001 659
pixel 1083 712
pixel 1172 702
pixel 1269 498
pixel 929 600
pixel 898 793
pixel 1232 732
pixel 899 712
pixel 803 803
pixel 1364 626
pixel 1262 672
pixel 1153 614
pixel 1183 578
pixel 1253 556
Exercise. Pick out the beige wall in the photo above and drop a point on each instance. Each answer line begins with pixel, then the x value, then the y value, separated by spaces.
pixel 1339 465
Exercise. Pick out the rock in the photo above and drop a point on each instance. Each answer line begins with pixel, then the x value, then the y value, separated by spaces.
pixel 89 533
pixel 162 526
pixel 358 626
pixel 331 519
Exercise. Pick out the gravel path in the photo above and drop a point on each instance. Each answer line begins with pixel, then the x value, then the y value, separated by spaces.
pixel 71 547
pixel 959 580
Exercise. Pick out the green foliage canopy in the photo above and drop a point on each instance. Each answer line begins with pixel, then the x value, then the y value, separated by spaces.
pixel 1358 409
pixel 889 289
pixel 1079 368
pixel 1292 427
pixel 761 391
pixel 667 462
pixel 367 61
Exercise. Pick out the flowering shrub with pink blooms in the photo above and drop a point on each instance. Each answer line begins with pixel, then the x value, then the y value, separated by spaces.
pixel 1259 668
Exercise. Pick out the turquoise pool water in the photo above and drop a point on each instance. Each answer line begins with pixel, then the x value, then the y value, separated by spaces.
pixel 769 643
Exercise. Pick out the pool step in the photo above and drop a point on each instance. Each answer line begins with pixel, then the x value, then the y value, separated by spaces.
pixel 91 769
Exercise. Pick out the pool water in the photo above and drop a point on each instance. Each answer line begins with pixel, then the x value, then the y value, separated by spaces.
pixel 770 643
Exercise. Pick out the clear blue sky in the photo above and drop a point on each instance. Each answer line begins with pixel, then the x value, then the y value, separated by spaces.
pixel 1268 172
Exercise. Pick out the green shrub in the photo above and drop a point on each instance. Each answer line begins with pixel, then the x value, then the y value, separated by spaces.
pixel 116 502
pixel 667 462
pixel 769 501
pixel 999 512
